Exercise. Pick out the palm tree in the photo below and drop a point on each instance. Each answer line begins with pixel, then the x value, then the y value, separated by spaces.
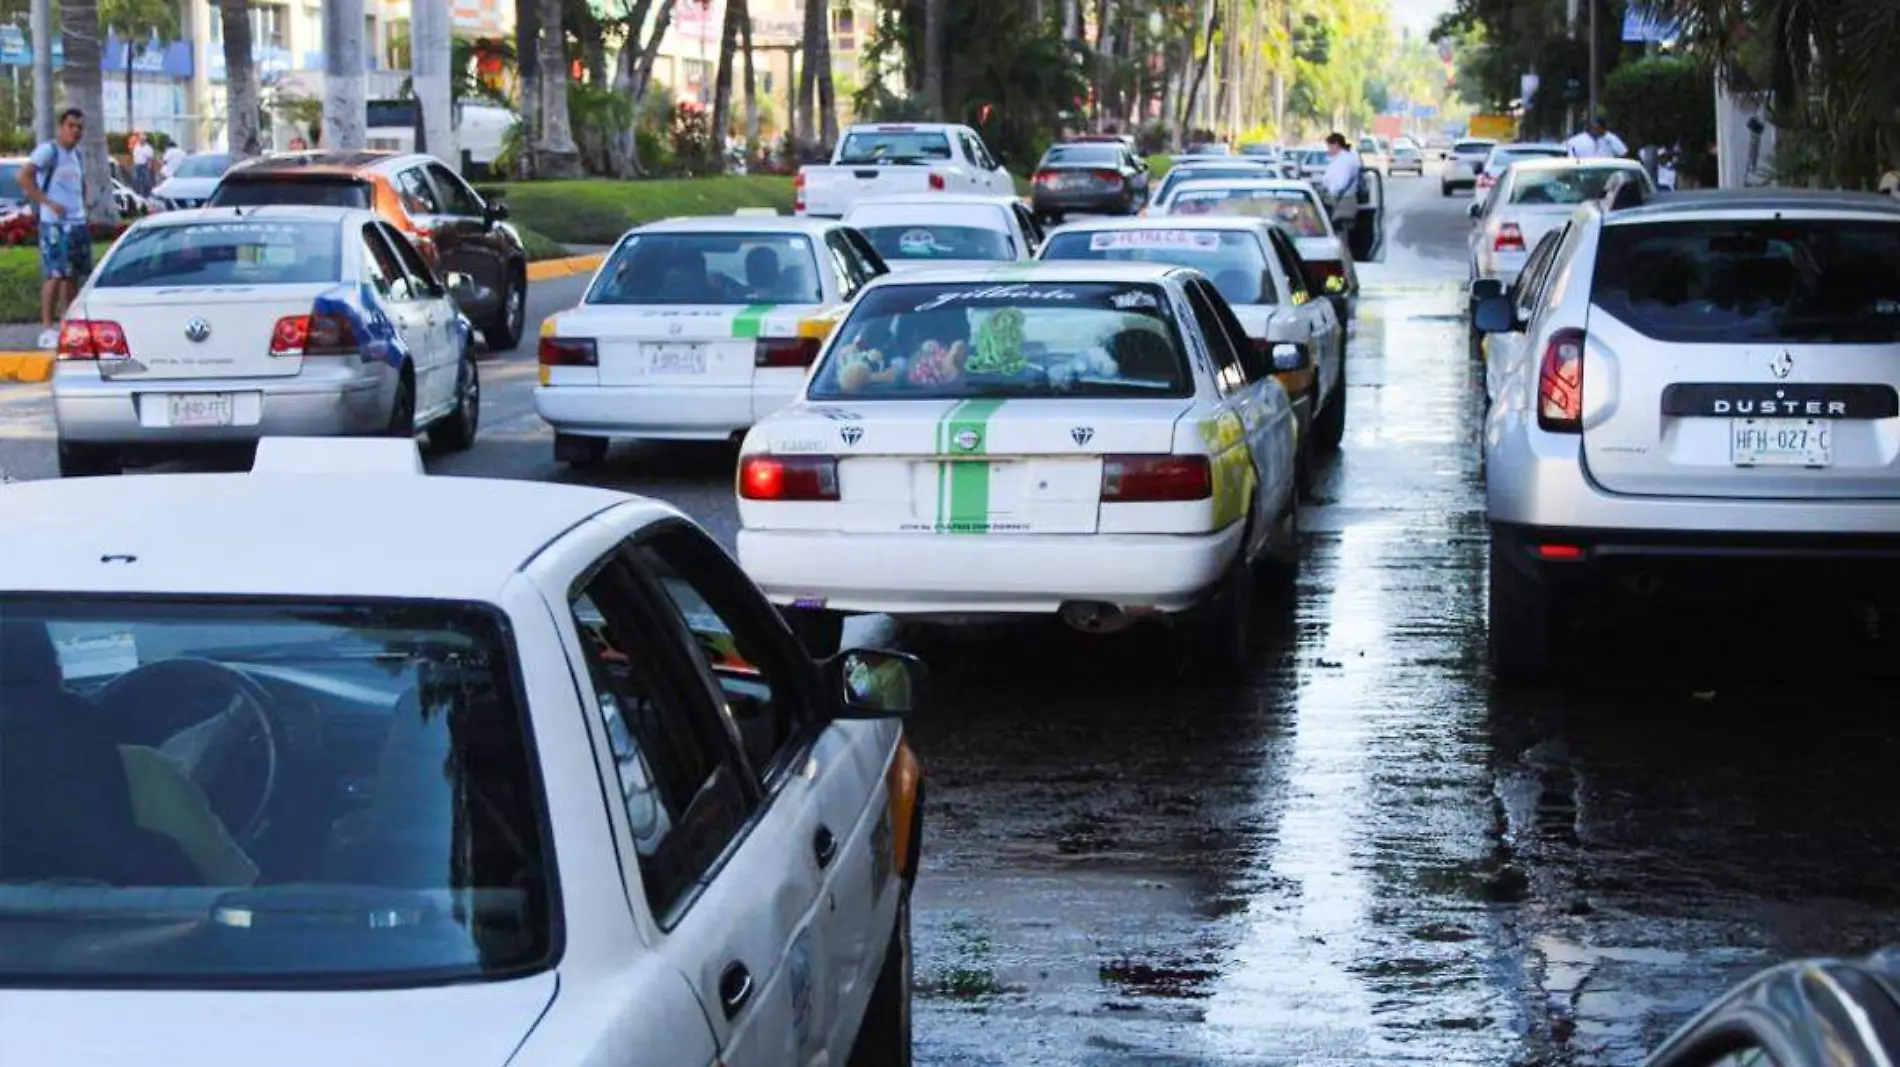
pixel 934 16
pixel 84 80
pixel 240 79
pixel 135 21
pixel 528 80
pixel 555 153
pixel 722 81
pixel 751 79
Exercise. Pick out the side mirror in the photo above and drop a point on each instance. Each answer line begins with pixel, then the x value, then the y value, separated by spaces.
pixel 495 211
pixel 1288 357
pixel 1485 289
pixel 1494 314
pixel 459 284
pixel 1476 209
pixel 875 685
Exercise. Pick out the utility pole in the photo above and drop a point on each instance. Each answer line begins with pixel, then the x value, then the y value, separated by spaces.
pixel 345 112
pixel 431 41
pixel 42 30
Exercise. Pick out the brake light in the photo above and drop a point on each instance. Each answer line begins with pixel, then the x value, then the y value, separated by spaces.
pixel 937 184
pixel 1109 176
pixel 313 335
pixel 798 192
pixel 1045 177
pixel 92 339
pixel 1153 479
pixel 786 351
pixel 1560 383
pixel 568 352
pixel 1560 552
pixel 1509 239
pixel 788 478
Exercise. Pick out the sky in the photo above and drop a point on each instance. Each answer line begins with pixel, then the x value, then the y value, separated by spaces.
pixel 1418 15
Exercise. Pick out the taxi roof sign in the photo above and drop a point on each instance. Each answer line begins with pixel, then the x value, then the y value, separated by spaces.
pixel 337 455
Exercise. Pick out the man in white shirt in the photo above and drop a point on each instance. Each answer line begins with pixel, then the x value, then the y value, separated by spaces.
pixel 143 155
pixel 174 155
pixel 1340 183
pixel 1597 142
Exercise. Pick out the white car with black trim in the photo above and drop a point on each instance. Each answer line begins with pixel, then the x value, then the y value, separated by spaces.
pixel 1258 269
pixel 1295 206
pixel 1097 441
pixel 279 783
pixel 935 231
pixel 695 329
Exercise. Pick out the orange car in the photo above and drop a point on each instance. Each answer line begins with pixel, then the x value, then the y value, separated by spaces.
pixel 454 227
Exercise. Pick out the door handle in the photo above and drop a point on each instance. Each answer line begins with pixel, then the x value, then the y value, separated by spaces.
pixel 735 988
pixel 824 845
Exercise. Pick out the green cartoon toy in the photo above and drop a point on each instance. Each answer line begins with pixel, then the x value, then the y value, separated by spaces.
pixel 999 345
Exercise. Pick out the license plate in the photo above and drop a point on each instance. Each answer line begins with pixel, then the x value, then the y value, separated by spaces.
pixel 200 409
pixel 1781 442
pixel 676 359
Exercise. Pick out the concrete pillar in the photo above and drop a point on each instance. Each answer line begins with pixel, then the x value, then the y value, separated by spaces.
pixel 345 114
pixel 431 40
pixel 42 30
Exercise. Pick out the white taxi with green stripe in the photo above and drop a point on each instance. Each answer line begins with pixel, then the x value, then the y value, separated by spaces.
pixel 694 329
pixel 1073 439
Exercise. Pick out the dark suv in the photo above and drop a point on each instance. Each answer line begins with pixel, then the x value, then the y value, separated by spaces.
pixel 452 225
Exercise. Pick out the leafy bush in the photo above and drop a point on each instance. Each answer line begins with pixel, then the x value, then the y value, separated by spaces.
pixel 598 211
pixel 596 116
pixel 20 282
pixel 695 151
pixel 1662 101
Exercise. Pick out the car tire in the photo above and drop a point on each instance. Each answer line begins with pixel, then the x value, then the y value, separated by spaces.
pixel 1329 423
pixel 576 450
pixel 1444 189
pixel 456 431
pixel 884 1037
pixel 1279 568
pixel 402 412
pixel 79 461
pixel 1218 636
pixel 820 631
pixel 1521 622
pixel 504 329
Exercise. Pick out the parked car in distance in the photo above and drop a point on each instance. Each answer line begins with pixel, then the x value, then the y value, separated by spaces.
pixel 1407 159
pixel 193 182
pixel 1502 156
pixel 456 228
pixel 1102 179
pixel 1463 164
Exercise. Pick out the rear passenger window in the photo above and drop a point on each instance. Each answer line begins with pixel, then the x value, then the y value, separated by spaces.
pixel 1228 370
pixel 384 270
pixel 421 279
pixel 457 198
pixel 418 196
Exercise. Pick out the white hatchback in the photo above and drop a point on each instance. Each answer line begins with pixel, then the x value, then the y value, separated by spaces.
pixel 694 329
pixel 279 785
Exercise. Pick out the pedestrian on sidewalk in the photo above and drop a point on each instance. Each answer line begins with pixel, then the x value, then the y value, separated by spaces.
pixel 1597 142
pixel 1341 182
pixel 54 179
pixel 143 155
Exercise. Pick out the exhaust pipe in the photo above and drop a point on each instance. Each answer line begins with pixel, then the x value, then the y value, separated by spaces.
pixel 1095 617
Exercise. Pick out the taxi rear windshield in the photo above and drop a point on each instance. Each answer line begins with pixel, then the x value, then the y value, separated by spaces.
pixel 207 793
pixel 1741 281
pixel 710 268
pixel 1007 340
pixel 1232 258
pixel 303 191
pixel 1568 186
pixel 1296 210
pixel 225 253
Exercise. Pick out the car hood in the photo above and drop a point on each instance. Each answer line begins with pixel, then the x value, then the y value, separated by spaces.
pixel 189 188
pixel 477 1025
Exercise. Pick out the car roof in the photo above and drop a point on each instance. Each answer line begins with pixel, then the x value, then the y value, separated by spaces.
pixel 935 199
pixel 323 162
pixel 1731 201
pixel 261 212
pixel 739 224
pixel 1530 146
pixel 1571 163
pixel 1034 271
pixel 288 534
pixel 1166 222
pixel 1294 185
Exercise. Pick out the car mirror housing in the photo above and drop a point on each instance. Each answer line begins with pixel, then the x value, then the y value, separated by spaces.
pixel 1476 209
pixel 1494 315
pixel 1486 288
pixel 874 684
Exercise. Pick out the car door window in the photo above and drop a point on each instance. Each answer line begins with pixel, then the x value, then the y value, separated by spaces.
pixel 1290 265
pixel 422 280
pixel 1228 372
pixel 852 273
pixel 1253 366
pixel 868 260
pixel 456 197
pixel 1537 273
pixel 685 796
pixel 1026 219
pixel 738 643
pixel 418 196
pixel 382 267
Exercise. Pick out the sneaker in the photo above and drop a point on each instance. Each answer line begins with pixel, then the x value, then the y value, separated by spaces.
pixel 49 338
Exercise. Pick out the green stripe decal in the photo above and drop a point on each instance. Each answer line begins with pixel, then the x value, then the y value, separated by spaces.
pixel 963 486
pixel 751 319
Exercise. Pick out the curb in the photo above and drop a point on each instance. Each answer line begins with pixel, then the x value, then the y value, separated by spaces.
pixel 26 366
pixel 542 270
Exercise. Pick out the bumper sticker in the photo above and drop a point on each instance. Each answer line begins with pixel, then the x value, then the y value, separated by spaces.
pixel 751 320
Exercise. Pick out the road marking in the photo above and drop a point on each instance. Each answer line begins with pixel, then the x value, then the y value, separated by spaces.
pixel 25 366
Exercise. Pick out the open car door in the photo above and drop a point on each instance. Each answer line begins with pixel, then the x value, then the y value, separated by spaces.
pixel 1368 226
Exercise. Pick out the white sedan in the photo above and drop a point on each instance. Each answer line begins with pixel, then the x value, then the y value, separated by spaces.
pixel 1097 441
pixel 272 795
pixel 942 230
pixel 1294 205
pixel 694 329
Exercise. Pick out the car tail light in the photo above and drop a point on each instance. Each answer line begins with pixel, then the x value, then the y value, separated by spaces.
pixel 788 478
pixel 937 183
pixel 1152 479
pixel 786 351
pixel 1327 275
pixel 1109 176
pixel 798 192
pixel 568 352
pixel 1509 239
pixel 1045 177
pixel 313 335
pixel 92 339
pixel 1560 383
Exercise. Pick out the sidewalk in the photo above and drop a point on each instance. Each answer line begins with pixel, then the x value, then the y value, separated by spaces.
pixel 21 360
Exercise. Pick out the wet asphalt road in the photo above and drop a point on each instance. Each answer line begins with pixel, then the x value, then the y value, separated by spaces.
pixel 1359 854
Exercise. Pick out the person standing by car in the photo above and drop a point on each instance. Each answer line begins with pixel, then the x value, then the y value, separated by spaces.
pixel 174 155
pixel 1341 181
pixel 143 156
pixel 1597 142
pixel 54 179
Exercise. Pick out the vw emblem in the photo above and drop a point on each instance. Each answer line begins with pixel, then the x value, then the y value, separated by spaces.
pixel 1082 435
pixel 851 434
pixel 967 440
pixel 1783 364
pixel 197 330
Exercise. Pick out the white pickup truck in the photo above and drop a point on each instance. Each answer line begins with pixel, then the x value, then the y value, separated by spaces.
pixel 894 159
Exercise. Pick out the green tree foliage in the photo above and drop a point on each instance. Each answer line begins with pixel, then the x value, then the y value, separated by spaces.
pixel 1664 100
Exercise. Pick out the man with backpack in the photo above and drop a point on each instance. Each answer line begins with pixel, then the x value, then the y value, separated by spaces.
pixel 54 179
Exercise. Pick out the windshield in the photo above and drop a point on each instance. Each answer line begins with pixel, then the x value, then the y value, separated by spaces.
pixel 215 793
pixel 1027 340
pixel 963 239
pixel 1568 186
pixel 1733 281
pixel 891 146
pixel 305 191
pixel 710 268
pixel 1232 258
pixel 204 165
pixel 1295 209
pixel 225 253
pixel 1471 148
pixel 1502 157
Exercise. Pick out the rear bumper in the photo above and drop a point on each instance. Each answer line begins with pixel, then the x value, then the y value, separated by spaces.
pixel 1721 564
pixel 679 413
pixel 928 574
pixel 321 401
pixel 1050 203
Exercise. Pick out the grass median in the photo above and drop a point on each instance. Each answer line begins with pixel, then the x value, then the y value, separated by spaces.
pixel 597 211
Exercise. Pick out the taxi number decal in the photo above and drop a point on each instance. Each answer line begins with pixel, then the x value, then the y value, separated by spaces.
pixel 1153 239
